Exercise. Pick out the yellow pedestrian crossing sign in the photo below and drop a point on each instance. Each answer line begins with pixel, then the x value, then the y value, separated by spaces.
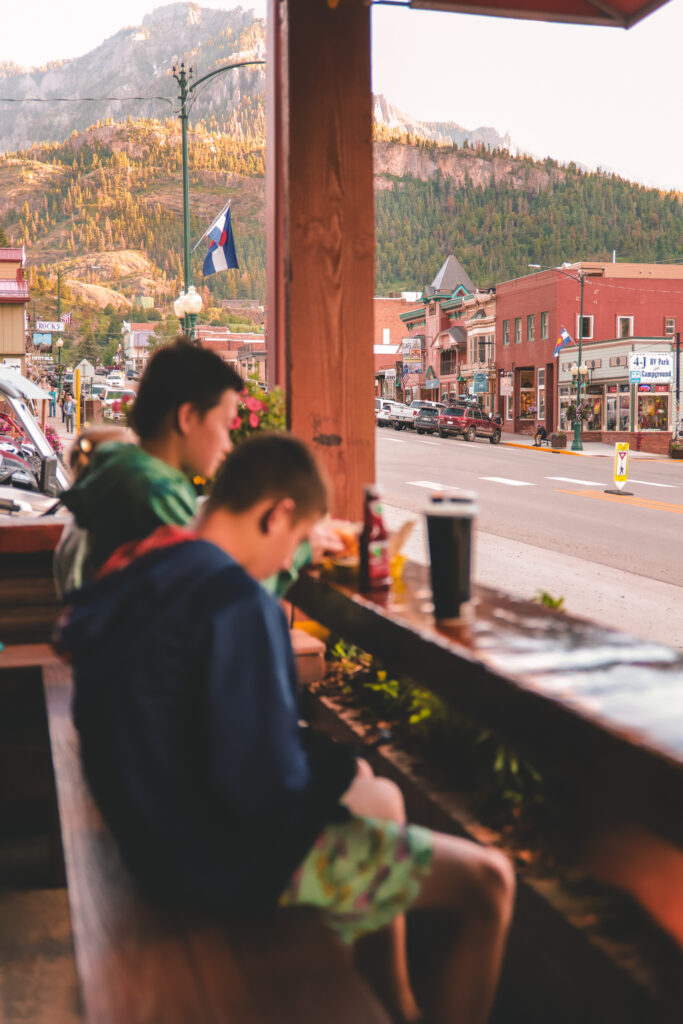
pixel 621 463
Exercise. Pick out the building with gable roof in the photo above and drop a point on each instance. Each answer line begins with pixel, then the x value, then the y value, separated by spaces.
pixel 435 343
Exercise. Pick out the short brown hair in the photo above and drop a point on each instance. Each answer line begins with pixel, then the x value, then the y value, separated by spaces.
pixel 179 373
pixel 272 465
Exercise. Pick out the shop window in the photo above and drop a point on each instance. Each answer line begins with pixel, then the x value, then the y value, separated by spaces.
pixel 530 327
pixel 518 330
pixel 585 328
pixel 506 332
pixel 653 412
pixel 527 395
pixel 508 407
pixel 624 327
pixel 540 397
pixel 669 326
pixel 624 411
pixel 593 406
pixel 544 325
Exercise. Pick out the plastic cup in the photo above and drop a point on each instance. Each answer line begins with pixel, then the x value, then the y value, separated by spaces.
pixel 449 529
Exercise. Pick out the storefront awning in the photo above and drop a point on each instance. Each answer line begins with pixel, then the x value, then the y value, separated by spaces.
pixel 616 13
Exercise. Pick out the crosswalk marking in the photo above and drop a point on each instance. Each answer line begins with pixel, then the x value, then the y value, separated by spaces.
pixel 504 480
pixel 430 485
pixel 394 440
pixel 599 483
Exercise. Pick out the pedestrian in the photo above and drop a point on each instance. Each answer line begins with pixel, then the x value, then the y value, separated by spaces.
pixel 52 401
pixel 216 795
pixel 540 436
pixel 69 411
pixel 62 400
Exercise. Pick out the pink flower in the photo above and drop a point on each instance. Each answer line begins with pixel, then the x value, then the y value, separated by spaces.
pixel 236 424
pixel 253 420
pixel 253 404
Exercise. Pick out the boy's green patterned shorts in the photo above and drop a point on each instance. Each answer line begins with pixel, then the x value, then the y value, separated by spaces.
pixel 363 873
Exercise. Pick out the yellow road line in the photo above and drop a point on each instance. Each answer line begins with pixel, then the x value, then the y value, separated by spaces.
pixel 659 506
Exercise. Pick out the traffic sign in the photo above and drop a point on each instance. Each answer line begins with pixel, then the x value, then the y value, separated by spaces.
pixel 635 376
pixel 621 463
pixel 49 325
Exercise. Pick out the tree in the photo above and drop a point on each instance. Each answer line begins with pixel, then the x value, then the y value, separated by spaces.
pixel 4 244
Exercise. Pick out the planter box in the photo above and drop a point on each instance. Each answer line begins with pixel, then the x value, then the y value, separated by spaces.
pixel 558 441
pixel 676 453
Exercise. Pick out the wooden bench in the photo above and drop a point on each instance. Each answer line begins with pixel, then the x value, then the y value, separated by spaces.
pixel 141 964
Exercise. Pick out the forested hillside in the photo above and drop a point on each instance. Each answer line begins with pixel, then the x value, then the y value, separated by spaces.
pixel 498 213
pixel 118 187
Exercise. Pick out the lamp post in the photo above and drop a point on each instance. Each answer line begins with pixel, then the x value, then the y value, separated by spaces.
pixel 59 343
pixel 580 277
pixel 187 307
pixel 184 77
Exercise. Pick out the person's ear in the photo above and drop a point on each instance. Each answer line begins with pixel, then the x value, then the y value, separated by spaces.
pixel 276 515
pixel 185 417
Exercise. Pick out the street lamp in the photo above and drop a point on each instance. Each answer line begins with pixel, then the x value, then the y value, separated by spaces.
pixel 580 277
pixel 183 78
pixel 59 342
pixel 187 307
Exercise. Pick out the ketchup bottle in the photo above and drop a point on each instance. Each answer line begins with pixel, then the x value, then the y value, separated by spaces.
pixel 374 545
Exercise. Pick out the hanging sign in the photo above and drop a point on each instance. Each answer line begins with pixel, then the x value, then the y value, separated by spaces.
pixel 49 325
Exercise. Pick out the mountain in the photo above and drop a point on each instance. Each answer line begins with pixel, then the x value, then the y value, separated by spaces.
pixel 387 116
pixel 136 62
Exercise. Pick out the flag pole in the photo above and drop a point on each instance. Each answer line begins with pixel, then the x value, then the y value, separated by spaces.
pixel 213 222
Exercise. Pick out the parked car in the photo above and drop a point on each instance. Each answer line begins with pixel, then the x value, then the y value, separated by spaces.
pixel 406 417
pixel 116 380
pixel 427 420
pixel 468 422
pixel 385 415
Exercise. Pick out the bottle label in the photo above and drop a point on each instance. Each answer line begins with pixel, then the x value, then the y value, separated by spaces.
pixel 378 561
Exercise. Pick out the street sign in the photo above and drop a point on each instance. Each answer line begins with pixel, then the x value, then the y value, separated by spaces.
pixel 44 339
pixel 49 325
pixel 87 369
pixel 621 463
pixel 634 377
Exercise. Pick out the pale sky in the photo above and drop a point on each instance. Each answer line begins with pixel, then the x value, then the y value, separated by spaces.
pixel 599 96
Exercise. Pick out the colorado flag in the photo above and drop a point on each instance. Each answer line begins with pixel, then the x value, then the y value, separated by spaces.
pixel 565 338
pixel 221 254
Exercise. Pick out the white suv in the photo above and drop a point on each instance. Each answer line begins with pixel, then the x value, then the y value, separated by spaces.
pixel 387 412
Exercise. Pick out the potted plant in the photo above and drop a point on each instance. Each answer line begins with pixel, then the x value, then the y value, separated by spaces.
pixel 676 449
pixel 558 440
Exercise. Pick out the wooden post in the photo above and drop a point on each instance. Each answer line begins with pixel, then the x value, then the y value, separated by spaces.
pixel 320 179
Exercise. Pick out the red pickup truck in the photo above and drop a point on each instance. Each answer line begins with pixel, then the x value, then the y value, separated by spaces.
pixel 468 422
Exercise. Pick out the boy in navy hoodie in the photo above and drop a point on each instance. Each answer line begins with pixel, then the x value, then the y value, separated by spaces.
pixel 185 702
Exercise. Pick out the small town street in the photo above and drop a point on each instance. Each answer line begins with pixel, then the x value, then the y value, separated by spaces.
pixel 545 523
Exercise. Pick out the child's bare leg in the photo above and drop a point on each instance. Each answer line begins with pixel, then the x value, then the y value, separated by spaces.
pixel 477 885
pixel 384 952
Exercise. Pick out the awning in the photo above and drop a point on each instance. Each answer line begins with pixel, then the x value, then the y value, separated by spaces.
pixel 24 386
pixel 617 13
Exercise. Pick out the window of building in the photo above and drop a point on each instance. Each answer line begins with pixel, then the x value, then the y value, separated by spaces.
pixel 508 407
pixel 530 327
pixel 432 308
pixel 584 330
pixel 624 327
pixel 506 332
pixel 669 326
pixel 527 395
pixel 518 330
pixel 448 361
pixel 540 397
pixel 545 328
pixel 653 412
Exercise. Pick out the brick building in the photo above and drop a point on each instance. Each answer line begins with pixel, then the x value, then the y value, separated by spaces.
pixel 629 310
pixel 387 339
pixel 434 345
pixel 246 353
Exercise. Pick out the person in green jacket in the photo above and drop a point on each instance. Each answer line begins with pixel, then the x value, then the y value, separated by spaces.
pixel 185 407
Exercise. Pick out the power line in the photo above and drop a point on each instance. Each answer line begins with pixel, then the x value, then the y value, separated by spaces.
pixel 79 99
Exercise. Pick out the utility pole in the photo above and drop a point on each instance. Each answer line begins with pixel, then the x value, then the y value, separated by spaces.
pixel 576 443
pixel 678 385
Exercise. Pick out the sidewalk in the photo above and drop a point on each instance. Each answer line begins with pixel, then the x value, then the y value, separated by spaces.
pixel 590 448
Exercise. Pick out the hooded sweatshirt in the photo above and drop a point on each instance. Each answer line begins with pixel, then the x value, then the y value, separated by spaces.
pixel 185 702
pixel 124 495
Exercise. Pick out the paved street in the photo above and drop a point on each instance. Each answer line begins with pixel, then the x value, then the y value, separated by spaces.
pixel 546 523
